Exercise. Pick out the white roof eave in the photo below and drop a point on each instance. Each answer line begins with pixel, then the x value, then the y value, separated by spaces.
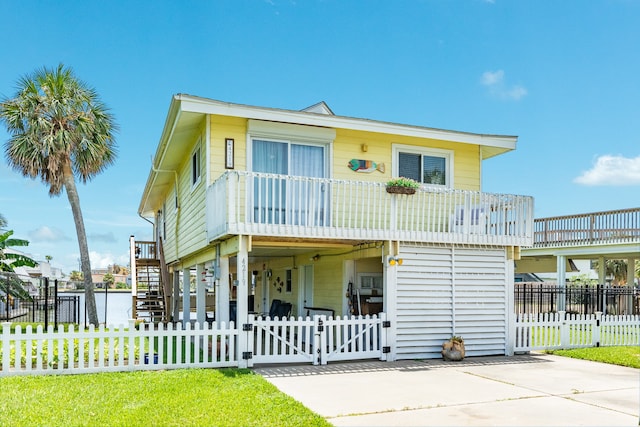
pixel 209 106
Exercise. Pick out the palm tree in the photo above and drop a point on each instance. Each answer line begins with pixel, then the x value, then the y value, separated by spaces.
pixel 3 221
pixel 59 130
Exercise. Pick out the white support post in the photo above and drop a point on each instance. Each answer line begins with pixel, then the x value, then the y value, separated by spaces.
pixel 390 300
pixel 222 293
pixel 631 273
pixel 186 297
pixel 561 278
pixel 242 307
pixel 134 274
pixel 132 260
pixel 510 311
pixel 175 309
pixel 201 294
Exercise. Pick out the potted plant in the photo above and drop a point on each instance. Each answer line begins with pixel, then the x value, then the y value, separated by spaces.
pixel 402 186
pixel 453 349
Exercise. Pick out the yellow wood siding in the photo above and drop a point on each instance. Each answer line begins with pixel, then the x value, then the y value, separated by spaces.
pixel 221 128
pixel 327 283
pixel 186 226
pixel 348 145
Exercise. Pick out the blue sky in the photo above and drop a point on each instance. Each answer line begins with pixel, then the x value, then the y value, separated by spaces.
pixel 562 75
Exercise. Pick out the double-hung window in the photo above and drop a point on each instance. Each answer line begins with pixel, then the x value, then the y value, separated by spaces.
pixel 427 166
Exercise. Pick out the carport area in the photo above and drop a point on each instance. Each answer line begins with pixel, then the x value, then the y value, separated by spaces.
pixel 523 390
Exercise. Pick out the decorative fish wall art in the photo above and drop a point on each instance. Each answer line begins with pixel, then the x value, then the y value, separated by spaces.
pixel 366 166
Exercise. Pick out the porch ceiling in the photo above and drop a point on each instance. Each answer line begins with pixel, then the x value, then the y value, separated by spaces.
pixel 263 249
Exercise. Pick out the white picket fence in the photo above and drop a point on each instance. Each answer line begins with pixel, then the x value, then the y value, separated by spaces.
pixel 73 350
pixel 77 350
pixel 560 330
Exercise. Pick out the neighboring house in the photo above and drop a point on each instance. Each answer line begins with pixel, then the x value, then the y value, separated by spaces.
pixel 266 204
pixel 97 277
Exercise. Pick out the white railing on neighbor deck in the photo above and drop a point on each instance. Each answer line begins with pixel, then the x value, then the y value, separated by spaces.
pixel 289 206
pixel 619 226
pixel 32 351
pixel 547 331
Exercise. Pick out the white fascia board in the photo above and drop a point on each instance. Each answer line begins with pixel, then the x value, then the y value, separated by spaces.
pixel 208 106
pixel 167 131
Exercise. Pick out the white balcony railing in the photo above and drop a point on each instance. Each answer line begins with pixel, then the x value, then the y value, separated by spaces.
pixel 288 206
pixel 609 227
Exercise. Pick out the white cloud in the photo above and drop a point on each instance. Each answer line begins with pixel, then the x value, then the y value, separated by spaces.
pixel 103 260
pixel 612 170
pixel 495 82
pixel 490 78
pixel 47 234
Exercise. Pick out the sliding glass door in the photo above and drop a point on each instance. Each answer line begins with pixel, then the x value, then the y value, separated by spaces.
pixel 285 195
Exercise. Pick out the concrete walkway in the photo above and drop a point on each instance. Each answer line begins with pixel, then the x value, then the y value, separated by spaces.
pixel 525 390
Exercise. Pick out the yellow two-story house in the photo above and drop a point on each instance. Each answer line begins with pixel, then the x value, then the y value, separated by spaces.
pixel 256 204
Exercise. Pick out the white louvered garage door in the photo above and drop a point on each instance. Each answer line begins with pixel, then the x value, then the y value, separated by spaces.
pixel 445 291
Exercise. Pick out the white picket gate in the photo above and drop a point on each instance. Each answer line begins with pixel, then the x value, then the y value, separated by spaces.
pixel 76 350
pixel 354 338
pixel 286 340
pixel 548 331
pixel 316 340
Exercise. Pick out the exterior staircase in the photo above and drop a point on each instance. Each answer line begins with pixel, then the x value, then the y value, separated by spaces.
pixel 149 296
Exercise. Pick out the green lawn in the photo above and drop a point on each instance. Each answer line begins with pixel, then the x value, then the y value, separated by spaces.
pixel 186 397
pixel 623 356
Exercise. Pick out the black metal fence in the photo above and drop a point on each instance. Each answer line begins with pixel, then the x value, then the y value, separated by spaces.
pixel 540 297
pixel 21 301
pixel 61 309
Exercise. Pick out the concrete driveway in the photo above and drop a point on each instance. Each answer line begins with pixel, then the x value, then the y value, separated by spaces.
pixel 525 390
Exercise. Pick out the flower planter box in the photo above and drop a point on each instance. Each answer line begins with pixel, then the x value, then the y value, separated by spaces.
pixel 400 190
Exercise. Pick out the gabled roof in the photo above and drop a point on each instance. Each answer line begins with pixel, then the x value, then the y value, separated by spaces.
pixel 186 113
pixel 320 108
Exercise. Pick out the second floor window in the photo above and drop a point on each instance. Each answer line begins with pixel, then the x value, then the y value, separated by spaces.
pixel 195 166
pixel 426 167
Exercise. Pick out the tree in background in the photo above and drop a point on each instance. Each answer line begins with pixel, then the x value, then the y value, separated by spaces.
pixel 108 280
pixel 617 268
pixel 59 130
pixel 75 276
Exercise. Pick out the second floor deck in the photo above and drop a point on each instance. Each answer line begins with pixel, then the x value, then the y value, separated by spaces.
pixel 316 208
pixel 598 228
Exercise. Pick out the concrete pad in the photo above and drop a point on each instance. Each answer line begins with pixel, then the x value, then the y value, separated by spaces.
pixel 543 411
pixel 534 389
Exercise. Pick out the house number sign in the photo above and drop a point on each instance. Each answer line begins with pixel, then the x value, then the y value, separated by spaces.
pixel 228 155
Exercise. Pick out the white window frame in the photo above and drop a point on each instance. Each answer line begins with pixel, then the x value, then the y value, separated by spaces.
pixel 196 154
pixel 291 134
pixel 424 151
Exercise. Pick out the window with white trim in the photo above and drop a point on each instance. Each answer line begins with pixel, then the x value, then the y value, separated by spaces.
pixel 427 166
